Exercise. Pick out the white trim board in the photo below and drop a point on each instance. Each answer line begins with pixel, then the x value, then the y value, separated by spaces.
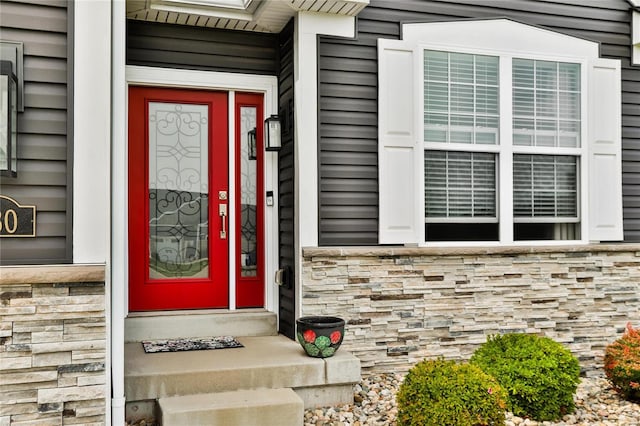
pixel 117 271
pixel 211 80
pixel 502 35
pixel 91 131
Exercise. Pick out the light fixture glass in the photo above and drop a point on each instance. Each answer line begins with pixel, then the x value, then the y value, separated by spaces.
pixel 272 133
pixel 8 120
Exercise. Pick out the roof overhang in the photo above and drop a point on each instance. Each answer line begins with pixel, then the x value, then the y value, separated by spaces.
pixel 248 15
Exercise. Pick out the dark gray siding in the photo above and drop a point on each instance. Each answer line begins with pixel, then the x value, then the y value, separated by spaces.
pixel 348 99
pixel 178 46
pixel 348 145
pixel 286 200
pixel 44 129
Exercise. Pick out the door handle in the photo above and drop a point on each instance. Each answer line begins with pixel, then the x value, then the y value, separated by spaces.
pixel 222 210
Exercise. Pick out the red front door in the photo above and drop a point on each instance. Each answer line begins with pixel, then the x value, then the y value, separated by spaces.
pixel 178 199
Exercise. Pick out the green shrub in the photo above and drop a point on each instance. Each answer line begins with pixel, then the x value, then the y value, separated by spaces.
pixel 539 374
pixel 622 364
pixel 439 392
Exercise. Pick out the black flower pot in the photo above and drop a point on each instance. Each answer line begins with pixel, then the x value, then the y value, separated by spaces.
pixel 319 336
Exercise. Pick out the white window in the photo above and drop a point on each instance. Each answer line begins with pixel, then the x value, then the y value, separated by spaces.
pixel 511 135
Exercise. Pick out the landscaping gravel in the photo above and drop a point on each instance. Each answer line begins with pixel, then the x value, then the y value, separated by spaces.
pixel 374 404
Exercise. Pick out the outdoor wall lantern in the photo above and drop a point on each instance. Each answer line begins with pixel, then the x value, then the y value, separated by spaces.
pixel 272 133
pixel 8 120
pixel 251 139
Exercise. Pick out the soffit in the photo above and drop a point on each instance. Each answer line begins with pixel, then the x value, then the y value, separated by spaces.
pixel 248 15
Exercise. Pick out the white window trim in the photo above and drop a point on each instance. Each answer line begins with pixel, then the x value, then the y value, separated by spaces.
pixel 505 148
pixel 400 138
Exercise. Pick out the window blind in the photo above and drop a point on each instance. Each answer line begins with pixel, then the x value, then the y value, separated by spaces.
pixel 459 185
pixel 545 186
pixel 460 98
pixel 546 103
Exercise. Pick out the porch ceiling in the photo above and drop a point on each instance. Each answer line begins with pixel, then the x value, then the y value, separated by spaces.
pixel 249 15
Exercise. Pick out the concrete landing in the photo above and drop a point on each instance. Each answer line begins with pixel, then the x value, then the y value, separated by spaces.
pixel 272 362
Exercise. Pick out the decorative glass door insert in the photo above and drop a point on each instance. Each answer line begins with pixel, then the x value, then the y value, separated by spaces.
pixel 249 204
pixel 178 191
pixel 248 193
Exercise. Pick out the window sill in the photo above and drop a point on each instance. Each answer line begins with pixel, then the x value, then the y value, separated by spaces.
pixel 375 251
pixel 47 274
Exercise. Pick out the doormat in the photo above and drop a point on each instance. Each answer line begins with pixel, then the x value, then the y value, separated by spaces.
pixel 200 344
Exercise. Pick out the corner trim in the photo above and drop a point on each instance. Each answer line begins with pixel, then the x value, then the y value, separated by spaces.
pixel 91 130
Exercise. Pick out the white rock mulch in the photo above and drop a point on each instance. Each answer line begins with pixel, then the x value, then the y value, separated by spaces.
pixel 374 404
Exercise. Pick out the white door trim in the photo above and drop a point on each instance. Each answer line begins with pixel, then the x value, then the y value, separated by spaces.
pixel 209 80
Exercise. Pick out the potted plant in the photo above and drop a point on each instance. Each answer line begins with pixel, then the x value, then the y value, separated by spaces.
pixel 320 336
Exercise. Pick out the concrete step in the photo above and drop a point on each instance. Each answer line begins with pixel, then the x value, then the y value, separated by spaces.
pixel 141 326
pixel 259 407
pixel 270 362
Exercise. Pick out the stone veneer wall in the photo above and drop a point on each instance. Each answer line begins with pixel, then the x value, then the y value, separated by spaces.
pixel 404 304
pixel 52 345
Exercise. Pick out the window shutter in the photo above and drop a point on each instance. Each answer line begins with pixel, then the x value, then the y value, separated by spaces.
pixel 604 150
pixel 397 173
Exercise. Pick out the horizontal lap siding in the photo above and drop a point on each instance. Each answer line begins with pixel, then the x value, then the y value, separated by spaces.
pixel 348 99
pixel 178 46
pixel 44 135
pixel 286 189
